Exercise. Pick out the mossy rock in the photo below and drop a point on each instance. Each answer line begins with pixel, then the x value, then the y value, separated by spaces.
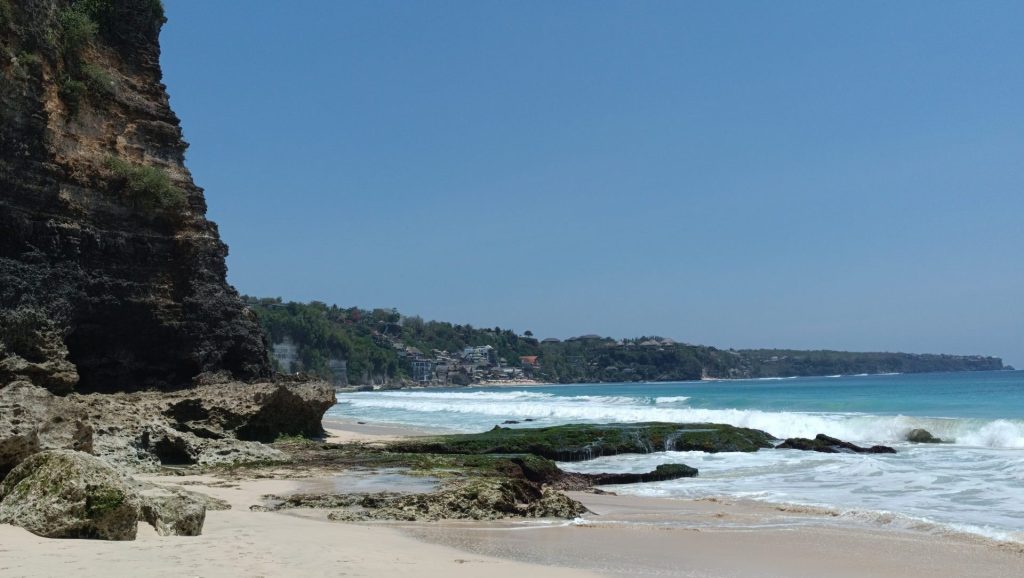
pixel 469 499
pixel 69 494
pixel 830 445
pixel 577 442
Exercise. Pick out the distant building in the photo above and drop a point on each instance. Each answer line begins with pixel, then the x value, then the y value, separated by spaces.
pixel 551 340
pixel 530 360
pixel 422 370
pixel 480 355
pixel 286 353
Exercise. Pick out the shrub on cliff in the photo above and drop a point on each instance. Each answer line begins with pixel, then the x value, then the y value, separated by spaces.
pixel 5 12
pixel 97 79
pixel 78 29
pixel 146 186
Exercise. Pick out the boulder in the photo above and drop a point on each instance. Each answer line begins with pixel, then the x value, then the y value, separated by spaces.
pixel 32 420
pixel 922 436
pixel 197 426
pixel 829 445
pixel 69 494
pixel 255 412
pixel 174 511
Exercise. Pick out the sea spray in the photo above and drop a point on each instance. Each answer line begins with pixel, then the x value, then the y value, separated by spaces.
pixel 973 483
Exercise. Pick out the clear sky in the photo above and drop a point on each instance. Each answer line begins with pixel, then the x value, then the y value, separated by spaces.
pixel 816 174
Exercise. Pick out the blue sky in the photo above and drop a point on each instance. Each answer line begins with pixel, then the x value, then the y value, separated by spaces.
pixel 742 174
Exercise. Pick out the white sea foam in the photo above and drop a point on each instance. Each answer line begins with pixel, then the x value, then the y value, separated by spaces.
pixel 1000 433
pixel 975 484
pixel 472 411
pixel 672 399
pixel 935 488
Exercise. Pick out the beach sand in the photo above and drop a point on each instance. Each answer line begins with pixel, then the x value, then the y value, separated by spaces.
pixel 626 536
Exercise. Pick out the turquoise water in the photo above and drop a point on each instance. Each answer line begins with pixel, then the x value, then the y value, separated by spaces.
pixel 975 483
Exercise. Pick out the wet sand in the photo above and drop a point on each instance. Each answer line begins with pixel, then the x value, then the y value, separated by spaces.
pixel 640 537
pixel 625 536
pixel 341 430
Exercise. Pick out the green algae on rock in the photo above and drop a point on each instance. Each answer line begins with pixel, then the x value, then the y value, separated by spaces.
pixel 577 442
pixel 69 494
pixel 469 499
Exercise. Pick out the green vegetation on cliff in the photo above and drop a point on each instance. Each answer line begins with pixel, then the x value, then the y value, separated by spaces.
pixel 376 345
pixel 146 186
pixel 325 332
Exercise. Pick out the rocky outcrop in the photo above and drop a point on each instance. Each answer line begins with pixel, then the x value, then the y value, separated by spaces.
pixel 256 412
pixel 68 494
pixel 488 498
pixel 829 445
pixel 176 512
pixel 33 420
pixel 32 349
pixel 109 269
pixel 922 436
pixel 483 499
pixel 660 474
pixel 206 425
pixel 576 442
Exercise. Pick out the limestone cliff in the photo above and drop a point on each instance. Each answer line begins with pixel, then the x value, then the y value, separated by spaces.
pixel 111 277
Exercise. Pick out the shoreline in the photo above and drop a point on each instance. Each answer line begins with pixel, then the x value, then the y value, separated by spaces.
pixel 703 379
pixel 623 536
pixel 631 536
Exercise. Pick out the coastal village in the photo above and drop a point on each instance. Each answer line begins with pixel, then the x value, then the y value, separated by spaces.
pixel 472 365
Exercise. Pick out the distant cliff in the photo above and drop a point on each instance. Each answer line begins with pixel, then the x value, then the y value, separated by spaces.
pixel 111 277
pixel 381 346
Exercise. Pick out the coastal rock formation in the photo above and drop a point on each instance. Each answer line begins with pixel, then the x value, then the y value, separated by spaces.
pixel 33 420
pixel 68 494
pixel 829 445
pixel 470 499
pixel 576 442
pixel 922 436
pixel 32 349
pixel 206 425
pixel 109 269
pixel 255 412
pixel 176 512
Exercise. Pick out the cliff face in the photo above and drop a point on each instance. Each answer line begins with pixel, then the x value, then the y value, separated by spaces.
pixel 111 277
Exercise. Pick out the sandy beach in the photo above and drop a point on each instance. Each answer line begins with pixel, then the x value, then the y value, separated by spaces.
pixel 625 536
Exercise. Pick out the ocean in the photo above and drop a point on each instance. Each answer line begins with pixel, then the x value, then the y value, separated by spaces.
pixel 973 484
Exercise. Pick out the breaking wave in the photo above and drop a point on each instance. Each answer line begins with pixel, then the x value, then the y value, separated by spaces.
pixel 474 411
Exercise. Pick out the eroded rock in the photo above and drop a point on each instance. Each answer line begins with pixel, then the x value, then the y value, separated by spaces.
pixel 472 499
pixel 174 511
pixel 922 436
pixel 129 278
pixel 33 420
pixel 575 442
pixel 33 350
pixel 829 445
pixel 69 494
